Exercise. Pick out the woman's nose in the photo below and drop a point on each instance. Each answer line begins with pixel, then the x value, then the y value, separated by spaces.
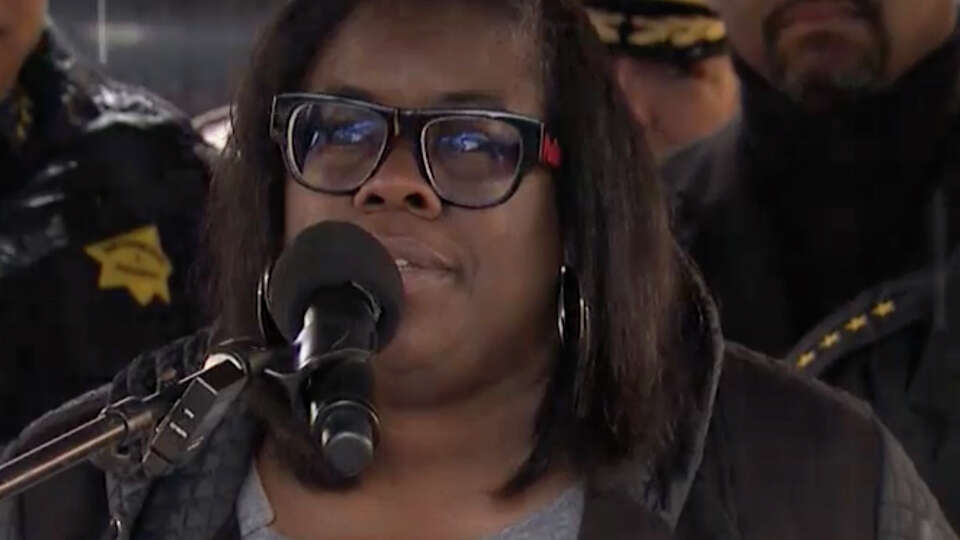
pixel 399 185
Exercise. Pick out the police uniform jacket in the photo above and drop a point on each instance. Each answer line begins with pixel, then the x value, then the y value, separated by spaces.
pixel 101 189
pixel 831 243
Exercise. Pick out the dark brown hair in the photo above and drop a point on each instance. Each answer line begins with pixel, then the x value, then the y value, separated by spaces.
pixel 613 222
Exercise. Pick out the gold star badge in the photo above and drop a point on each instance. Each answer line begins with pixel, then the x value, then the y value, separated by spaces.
pixel 134 261
pixel 830 340
pixel 856 324
pixel 806 359
pixel 884 309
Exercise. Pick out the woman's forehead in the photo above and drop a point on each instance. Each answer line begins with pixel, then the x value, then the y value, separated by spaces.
pixel 449 55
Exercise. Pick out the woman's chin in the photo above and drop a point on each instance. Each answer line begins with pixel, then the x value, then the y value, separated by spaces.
pixel 409 351
pixel 417 364
pixel 430 326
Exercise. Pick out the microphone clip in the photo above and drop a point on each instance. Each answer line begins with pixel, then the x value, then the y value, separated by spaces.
pixel 205 399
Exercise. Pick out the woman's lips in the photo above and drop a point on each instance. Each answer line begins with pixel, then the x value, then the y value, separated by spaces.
pixel 416 279
pixel 419 264
pixel 415 253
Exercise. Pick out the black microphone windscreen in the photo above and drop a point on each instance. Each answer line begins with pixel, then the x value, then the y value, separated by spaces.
pixel 333 254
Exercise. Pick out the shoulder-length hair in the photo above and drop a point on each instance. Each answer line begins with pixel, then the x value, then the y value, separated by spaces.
pixel 613 223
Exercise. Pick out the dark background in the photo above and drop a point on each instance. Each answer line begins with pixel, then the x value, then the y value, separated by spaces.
pixel 190 52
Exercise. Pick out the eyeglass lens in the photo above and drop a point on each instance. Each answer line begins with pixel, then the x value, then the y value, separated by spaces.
pixel 473 160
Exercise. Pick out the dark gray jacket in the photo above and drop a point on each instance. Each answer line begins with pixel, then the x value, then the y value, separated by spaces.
pixel 770 455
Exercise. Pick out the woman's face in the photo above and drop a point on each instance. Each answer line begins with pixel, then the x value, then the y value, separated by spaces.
pixel 480 296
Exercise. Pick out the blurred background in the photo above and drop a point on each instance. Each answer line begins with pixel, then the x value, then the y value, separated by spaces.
pixel 187 51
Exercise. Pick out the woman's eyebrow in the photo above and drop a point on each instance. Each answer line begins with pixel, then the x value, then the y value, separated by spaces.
pixel 466 98
pixel 348 91
pixel 471 99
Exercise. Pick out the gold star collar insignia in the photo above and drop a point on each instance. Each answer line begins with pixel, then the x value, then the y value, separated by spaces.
pixel 806 359
pixel 134 261
pixel 830 340
pixel 884 309
pixel 856 324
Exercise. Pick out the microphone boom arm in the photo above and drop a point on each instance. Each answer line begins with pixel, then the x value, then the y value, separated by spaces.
pixel 180 415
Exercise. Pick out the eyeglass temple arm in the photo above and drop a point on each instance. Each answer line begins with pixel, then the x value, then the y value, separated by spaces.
pixel 550 152
pixel 279 116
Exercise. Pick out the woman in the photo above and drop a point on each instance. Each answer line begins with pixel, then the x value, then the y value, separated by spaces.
pixel 482 143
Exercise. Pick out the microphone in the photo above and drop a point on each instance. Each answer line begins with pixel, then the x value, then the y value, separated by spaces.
pixel 336 295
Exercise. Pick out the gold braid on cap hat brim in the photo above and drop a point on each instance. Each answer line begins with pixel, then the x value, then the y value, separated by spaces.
pixel 677 32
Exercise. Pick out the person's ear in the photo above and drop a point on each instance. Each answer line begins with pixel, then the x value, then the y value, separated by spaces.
pixel 628 77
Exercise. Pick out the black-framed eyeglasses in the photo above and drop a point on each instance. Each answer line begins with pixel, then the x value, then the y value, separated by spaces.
pixel 474 158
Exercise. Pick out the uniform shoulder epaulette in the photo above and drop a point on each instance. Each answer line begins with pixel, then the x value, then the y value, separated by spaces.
pixel 872 316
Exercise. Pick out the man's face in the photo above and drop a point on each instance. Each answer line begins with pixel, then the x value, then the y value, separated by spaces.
pixel 21 22
pixel 822 52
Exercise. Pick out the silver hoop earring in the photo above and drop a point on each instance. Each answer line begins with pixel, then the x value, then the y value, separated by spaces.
pixel 573 311
pixel 269 334
pixel 574 326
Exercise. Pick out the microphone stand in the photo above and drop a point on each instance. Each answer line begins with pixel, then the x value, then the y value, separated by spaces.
pixel 183 413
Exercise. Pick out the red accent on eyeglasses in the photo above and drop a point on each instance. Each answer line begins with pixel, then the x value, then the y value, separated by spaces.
pixel 550 152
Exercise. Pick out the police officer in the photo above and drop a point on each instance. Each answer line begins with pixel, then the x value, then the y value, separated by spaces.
pixel 671 61
pixel 101 188
pixel 826 217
